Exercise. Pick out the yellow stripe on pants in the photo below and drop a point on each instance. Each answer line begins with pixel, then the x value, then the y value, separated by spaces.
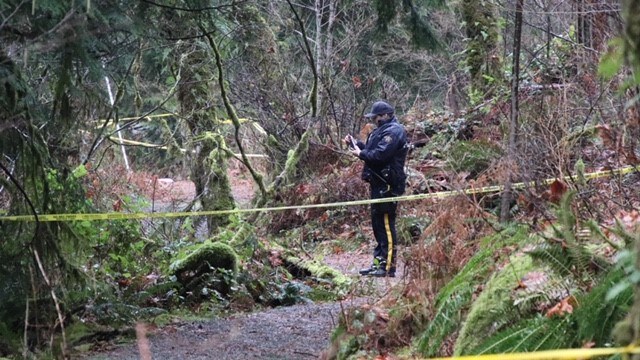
pixel 387 226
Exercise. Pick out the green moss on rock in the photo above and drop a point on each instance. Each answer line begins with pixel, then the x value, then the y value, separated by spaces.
pixel 320 270
pixel 211 255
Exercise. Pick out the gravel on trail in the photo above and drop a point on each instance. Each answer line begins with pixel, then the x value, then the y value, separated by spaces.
pixel 293 332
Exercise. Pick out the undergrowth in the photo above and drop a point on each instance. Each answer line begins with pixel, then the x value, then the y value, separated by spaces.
pixel 564 301
pixel 450 304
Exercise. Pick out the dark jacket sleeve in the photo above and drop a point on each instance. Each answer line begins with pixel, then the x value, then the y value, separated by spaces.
pixel 383 150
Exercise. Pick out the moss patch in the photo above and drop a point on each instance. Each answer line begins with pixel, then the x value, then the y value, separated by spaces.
pixel 319 270
pixel 494 307
pixel 216 255
pixel 472 156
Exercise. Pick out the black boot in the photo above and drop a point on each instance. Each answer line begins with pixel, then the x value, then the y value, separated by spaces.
pixel 369 270
pixel 383 273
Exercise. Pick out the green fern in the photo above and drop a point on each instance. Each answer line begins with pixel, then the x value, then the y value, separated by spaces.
pixel 592 320
pixel 456 295
pixel 563 253
pixel 446 321
pixel 494 309
pixel 554 257
pixel 538 333
pixel 595 315
pixel 450 301
pixel 476 268
pixel 573 269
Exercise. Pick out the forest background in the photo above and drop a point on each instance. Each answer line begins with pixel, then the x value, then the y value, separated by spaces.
pixel 103 103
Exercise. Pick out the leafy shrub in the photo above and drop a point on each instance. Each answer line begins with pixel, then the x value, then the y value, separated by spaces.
pixel 472 157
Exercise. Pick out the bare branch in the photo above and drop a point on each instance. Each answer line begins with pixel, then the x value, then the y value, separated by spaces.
pixel 178 8
pixel 13 13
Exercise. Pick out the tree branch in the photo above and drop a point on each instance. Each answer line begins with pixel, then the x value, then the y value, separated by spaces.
pixel 313 97
pixel 178 8
pixel 26 197
pixel 231 112
pixel 98 140
pixel 13 13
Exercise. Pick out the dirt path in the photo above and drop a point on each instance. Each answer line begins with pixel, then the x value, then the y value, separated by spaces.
pixel 294 332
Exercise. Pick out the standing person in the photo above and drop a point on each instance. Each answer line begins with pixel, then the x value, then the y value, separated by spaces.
pixel 384 155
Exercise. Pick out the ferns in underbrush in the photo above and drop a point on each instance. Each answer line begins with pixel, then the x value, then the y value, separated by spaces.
pixel 453 299
pixel 514 313
pixel 564 253
pixel 596 316
pixel 534 334
pixel 589 280
pixel 592 321
pixel 587 277
pixel 447 320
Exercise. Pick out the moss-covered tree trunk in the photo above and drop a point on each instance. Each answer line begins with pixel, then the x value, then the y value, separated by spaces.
pixel 507 196
pixel 208 162
pixel 632 48
pixel 210 177
pixel 482 58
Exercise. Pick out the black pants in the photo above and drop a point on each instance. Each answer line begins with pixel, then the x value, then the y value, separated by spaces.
pixel 383 221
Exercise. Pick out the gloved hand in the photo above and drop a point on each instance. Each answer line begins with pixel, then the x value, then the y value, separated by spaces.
pixel 351 143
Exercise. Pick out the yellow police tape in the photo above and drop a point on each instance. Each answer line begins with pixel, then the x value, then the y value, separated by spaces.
pixel 552 354
pixel 149 117
pixel 436 195
pixel 164 147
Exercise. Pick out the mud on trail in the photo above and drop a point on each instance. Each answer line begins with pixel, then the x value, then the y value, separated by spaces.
pixel 301 331
pixel 293 332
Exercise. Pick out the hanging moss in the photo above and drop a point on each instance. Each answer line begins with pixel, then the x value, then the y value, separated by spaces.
pixel 208 165
pixel 482 34
pixel 293 158
pixel 631 12
pixel 212 182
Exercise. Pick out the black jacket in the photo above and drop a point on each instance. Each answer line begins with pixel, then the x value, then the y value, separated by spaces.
pixel 384 155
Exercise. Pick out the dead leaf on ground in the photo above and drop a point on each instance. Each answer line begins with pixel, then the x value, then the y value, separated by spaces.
pixel 607 136
pixel 385 357
pixel 520 285
pixel 357 83
pixel 564 306
pixel 275 258
pixel 345 235
pixel 380 314
pixel 556 190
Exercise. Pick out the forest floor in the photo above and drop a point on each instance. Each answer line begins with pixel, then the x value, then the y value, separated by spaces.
pixel 300 331
pixel 288 332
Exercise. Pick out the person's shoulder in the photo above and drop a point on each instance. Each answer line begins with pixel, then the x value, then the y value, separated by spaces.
pixel 396 126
